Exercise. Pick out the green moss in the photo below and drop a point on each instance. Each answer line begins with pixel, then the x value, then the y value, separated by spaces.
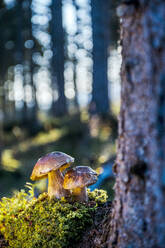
pixel 27 222
pixel 98 195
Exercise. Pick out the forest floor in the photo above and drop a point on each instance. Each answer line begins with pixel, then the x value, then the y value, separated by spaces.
pixel 91 142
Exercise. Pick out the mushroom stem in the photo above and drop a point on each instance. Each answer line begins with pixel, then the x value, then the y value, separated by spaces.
pixel 80 194
pixel 55 182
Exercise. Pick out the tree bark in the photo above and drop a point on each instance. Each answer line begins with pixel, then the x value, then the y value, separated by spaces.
pixel 138 216
pixel 58 56
pixel 100 35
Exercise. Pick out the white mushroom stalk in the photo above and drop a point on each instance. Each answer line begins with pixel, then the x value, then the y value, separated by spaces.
pixel 55 188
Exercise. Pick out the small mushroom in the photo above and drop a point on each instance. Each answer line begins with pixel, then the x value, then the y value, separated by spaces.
pixel 51 166
pixel 77 179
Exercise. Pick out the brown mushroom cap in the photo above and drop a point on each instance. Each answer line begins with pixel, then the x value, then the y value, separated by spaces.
pixel 49 162
pixel 79 177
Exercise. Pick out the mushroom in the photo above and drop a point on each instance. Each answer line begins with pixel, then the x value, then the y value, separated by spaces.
pixel 77 179
pixel 51 166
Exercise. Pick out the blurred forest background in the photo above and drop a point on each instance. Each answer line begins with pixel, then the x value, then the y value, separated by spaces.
pixel 59 86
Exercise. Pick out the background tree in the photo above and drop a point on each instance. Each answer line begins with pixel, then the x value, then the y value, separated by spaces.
pixel 74 58
pixel 100 35
pixel 57 33
pixel 32 45
pixel 138 216
pixel 20 55
pixel 2 8
pixel 6 47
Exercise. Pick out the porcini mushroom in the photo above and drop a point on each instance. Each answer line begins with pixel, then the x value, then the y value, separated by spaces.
pixel 77 179
pixel 50 166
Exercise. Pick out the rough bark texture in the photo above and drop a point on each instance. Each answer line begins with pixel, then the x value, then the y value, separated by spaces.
pixel 100 26
pixel 138 215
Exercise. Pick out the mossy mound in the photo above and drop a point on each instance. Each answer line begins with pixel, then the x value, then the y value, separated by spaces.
pixel 26 222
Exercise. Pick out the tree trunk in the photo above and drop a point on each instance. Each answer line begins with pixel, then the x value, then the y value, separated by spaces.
pixel 74 58
pixel 75 83
pixel 19 55
pixel 58 56
pixel 138 216
pixel 2 80
pixel 100 27
pixel 32 66
pixel 1 136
